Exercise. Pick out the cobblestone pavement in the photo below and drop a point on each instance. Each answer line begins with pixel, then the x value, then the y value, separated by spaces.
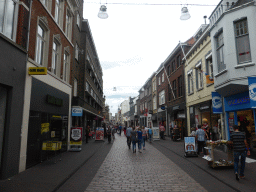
pixel 123 170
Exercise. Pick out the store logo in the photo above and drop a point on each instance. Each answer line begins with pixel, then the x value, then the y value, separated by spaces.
pixel 216 101
pixel 252 91
pixel 76 110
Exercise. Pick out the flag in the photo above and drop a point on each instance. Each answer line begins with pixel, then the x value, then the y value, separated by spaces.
pixel 209 80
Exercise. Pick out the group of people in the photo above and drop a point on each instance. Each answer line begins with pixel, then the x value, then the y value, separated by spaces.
pixel 138 136
pixel 237 139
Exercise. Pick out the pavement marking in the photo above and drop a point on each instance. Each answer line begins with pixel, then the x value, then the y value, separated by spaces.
pixel 150 170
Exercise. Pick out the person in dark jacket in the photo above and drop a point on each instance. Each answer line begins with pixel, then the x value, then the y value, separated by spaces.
pixel 241 148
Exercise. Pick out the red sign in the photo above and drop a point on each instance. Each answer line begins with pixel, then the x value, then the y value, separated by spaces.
pixel 99 133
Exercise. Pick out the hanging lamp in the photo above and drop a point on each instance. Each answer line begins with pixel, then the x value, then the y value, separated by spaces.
pixel 103 12
pixel 184 14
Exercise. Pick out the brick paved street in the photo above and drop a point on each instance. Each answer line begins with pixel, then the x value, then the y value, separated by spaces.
pixel 123 170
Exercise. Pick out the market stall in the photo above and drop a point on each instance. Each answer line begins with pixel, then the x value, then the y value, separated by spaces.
pixel 211 156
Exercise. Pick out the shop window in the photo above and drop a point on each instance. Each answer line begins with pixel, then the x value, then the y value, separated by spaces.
pixel 242 41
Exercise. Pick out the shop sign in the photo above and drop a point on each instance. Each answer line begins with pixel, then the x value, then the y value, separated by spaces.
pixel 76 136
pixel 155 133
pixel 37 71
pixel 54 100
pixel 45 127
pixel 190 144
pixel 99 134
pixel 237 102
pixel 51 145
pixel 181 116
pixel 252 91
pixel 216 103
pixel 204 107
pixel 176 108
pixel 77 112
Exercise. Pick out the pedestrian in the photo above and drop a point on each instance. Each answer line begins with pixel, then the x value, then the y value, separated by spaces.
pixel 109 134
pixel 133 139
pixel 193 132
pixel 113 133
pixel 241 148
pixel 144 135
pixel 124 130
pixel 200 137
pixel 208 133
pixel 120 130
pixel 128 136
pixel 150 134
pixel 87 133
pixel 139 133
pixel 162 130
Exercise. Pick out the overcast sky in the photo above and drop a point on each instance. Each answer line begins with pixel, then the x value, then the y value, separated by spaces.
pixel 136 39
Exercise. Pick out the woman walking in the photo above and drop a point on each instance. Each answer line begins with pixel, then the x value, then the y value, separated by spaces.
pixel 144 136
pixel 139 133
pixel 133 139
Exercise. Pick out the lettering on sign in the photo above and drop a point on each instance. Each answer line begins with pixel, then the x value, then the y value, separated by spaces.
pixel 239 101
pixel 37 71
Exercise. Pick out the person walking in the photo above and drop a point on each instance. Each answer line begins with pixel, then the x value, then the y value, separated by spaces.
pixel 128 136
pixel 150 134
pixel 87 131
pixel 144 136
pixel 133 139
pixel 120 130
pixel 241 148
pixel 200 137
pixel 113 131
pixel 139 133
pixel 124 130
pixel 109 134
pixel 162 130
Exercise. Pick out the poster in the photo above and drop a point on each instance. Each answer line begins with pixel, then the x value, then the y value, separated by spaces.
pixel 99 134
pixel 190 144
pixel 155 133
pixel 76 136
pixel 231 124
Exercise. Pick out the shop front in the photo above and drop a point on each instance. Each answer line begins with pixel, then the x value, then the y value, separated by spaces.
pixel 202 114
pixel 154 120
pixel 177 119
pixel 48 122
pixel 239 112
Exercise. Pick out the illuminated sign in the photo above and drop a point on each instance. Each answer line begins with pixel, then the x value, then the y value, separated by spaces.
pixel 37 71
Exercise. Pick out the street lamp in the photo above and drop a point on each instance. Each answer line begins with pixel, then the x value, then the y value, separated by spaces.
pixel 103 12
pixel 184 14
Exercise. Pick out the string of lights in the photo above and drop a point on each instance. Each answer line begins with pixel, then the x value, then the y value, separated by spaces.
pixel 150 4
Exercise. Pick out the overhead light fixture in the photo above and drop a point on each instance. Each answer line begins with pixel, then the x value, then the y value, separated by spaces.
pixel 184 14
pixel 103 12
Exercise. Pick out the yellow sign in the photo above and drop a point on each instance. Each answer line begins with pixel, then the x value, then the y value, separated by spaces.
pixel 51 145
pixel 75 142
pixel 45 127
pixel 37 71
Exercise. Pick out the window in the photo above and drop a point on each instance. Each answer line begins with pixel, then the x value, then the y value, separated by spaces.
pixel 78 20
pixel 55 57
pixel 242 41
pixel 220 52
pixel 75 87
pixel 178 61
pixel 163 77
pixel 92 92
pixel 199 77
pixel 179 86
pixel 76 52
pixel 145 105
pixel 66 67
pixel 174 86
pixel 209 67
pixel 57 11
pixel 87 86
pixel 68 24
pixel 159 80
pixel 154 103
pixel 40 45
pixel 8 16
pixel 190 82
pixel 173 66
pixel 162 97
pixel 168 70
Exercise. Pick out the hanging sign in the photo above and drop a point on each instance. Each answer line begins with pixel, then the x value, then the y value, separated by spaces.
pixel 216 103
pixel 77 112
pixel 252 91
pixel 76 136
pixel 155 133
pixel 99 134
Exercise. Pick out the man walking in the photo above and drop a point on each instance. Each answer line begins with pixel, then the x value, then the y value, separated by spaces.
pixel 150 134
pixel 241 148
pixel 128 136
pixel 200 137
pixel 162 130
pixel 120 130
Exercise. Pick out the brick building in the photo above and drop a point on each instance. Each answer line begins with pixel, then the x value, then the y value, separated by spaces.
pixel 47 104
pixel 14 33
pixel 175 94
